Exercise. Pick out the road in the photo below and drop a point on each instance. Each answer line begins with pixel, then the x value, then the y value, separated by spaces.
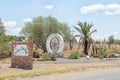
pixel 111 76
pixel 91 74
pixel 114 75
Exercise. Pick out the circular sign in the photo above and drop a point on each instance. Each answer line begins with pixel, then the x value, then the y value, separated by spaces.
pixel 55 44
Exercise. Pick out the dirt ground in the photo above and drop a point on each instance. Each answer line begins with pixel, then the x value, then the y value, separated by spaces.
pixel 5 67
pixel 5 64
pixel 75 75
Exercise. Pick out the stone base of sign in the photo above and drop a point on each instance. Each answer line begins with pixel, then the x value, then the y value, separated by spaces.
pixel 24 62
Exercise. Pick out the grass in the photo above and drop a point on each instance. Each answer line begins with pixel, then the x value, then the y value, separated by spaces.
pixel 51 70
pixel 74 55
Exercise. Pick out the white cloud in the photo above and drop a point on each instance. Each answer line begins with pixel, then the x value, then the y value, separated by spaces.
pixel 49 7
pixel 109 13
pixel 115 33
pixel 17 29
pixel 92 8
pixel 14 31
pixel 112 9
pixel 10 24
pixel 97 38
pixel 27 20
pixel 106 35
pixel 109 9
pixel 112 6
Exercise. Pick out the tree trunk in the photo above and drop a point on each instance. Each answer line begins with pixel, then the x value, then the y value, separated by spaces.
pixel 44 50
pixel 93 49
pixel 109 46
pixel 43 47
pixel 85 47
pixel 70 44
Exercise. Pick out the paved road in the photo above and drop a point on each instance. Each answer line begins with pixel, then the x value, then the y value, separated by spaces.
pixel 112 76
pixel 105 76
pixel 91 74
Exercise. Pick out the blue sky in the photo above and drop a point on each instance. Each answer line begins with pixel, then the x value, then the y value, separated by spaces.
pixel 104 14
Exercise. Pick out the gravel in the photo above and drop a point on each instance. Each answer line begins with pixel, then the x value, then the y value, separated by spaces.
pixel 6 67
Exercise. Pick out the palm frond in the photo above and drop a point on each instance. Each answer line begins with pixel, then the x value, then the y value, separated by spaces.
pixel 89 27
pixel 92 32
pixel 77 36
pixel 80 42
pixel 79 30
pixel 83 27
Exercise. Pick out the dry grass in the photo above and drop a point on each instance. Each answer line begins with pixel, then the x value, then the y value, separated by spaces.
pixel 5 60
pixel 55 69
pixel 106 46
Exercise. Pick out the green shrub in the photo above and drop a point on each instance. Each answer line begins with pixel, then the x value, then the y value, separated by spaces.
pixel 5 46
pixel 74 55
pixel 44 57
pixel 5 50
pixel 48 56
pixel 81 54
pixel 102 54
pixel 52 57
pixel 36 54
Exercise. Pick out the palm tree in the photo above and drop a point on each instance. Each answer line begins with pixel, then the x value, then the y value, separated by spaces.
pixel 85 33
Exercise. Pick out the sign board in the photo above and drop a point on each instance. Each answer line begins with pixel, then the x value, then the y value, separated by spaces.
pixel 21 50
pixel 22 55
pixel 55 44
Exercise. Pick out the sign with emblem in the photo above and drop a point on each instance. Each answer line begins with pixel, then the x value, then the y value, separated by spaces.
pixel 22 54
pixel 21 50
pixel 55 44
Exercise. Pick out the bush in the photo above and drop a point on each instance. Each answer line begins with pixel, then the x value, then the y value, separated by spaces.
pixel 36 54
pixel 74 55
pixel 102 54
pixel 5 46
pixel 5 50
pixel 81 54
pixel 48 56
pixel 44 57
pixel 52 57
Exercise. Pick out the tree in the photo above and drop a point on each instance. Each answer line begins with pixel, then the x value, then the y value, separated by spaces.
pixel 5 48
pixel 41 27
pixel 97 42
pixel 111 40
pixel 2 28
pixel 104 41
pixel 117 41
pixel 85 33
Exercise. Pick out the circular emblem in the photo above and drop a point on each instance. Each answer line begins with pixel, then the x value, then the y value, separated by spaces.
pixel 55 43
